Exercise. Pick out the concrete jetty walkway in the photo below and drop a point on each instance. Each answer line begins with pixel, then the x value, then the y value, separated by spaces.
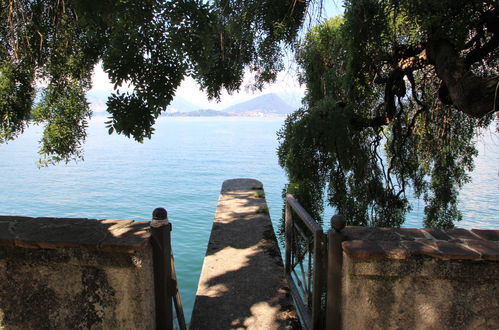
pixel 242 283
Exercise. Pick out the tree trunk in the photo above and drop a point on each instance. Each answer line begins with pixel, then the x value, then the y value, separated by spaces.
pixel 472 95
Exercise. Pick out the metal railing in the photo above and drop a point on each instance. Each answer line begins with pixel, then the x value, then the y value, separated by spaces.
pixel 166 293
pixel 313 266
pixel 305 243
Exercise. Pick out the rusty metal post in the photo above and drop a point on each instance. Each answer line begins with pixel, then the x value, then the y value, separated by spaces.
pixel 288 218
pixel 318 282
pixel 161 248
pixel 334 273
pixel 177 301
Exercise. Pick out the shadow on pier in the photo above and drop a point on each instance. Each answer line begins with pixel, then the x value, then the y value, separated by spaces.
pixel 242 281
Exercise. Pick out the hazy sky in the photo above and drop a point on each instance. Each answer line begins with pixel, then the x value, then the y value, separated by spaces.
pixel 189 90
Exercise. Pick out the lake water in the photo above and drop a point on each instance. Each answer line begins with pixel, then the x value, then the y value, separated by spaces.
pixel 182 169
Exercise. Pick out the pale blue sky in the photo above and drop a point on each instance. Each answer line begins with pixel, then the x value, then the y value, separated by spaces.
pixel 286 82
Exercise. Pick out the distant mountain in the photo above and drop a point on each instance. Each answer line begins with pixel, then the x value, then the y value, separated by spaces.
pixel 98 99
pixel 199 113
pixel 265 104
pixel 293 99
pixel 97 102
pixel 179 104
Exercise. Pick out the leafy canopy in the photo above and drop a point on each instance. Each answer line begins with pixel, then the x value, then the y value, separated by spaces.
pixel 397 92
pixel 151 45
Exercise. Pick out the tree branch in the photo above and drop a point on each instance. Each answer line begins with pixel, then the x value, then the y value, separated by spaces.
pixel 394 86
pixel 490 20
pixel 471 94
pixel 478 54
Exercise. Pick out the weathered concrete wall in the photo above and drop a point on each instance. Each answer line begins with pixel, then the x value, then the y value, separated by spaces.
pixel 75 274
pixel 420 279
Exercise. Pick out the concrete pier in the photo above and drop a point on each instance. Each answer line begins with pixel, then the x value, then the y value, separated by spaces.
pixel 242 283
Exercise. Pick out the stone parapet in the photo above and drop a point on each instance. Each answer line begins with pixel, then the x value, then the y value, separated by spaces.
pixel 454 244
pixel 75 274
pixel 121 236
pixel 420 279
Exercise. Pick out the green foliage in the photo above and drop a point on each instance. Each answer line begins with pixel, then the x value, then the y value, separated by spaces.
pixel 16 95
pixel 382 118
pixel 373 129
pixel 149 45
pixel 64 111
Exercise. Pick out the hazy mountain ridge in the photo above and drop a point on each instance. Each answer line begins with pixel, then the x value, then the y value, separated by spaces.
pixel 199 113
pixel 179 104
pixel 269 105
pixel 264 104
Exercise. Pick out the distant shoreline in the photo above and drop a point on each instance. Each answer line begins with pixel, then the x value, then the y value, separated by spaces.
pixel 194 114
pixel 226 114
pixel 268 105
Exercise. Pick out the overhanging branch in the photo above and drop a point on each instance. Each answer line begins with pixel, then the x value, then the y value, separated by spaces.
pixel 469 93
pixel 394 86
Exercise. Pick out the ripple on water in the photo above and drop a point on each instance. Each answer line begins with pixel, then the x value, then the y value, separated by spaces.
pixel 182 169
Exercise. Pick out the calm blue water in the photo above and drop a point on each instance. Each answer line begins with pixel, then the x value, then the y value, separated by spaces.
pixel 182 169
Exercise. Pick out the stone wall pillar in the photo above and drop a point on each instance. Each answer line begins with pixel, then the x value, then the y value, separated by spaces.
pixel 75 274
pixel 420 279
